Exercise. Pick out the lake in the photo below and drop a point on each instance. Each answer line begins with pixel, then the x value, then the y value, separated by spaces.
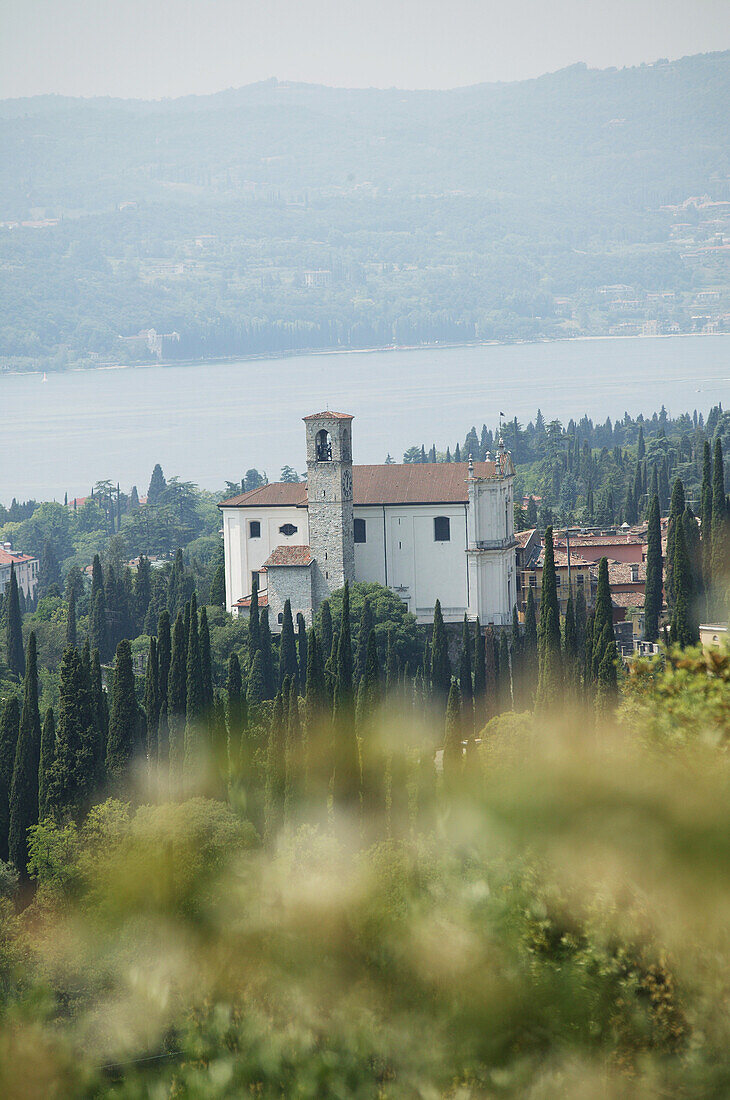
pixel 212 421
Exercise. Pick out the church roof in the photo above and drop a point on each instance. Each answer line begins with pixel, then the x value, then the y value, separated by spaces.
pixel 395 483
pixel 289 555
pixel 328 416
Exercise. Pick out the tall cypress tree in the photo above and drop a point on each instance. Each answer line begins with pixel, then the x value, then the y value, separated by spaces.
pixel 295 765
pixel 14 628
pixel 9 727
pixel 603 633
pixel 218 582
pixel 301 650
pixel 124 739
pixel 653 586
pixel 529 650
pixel 465 680
pixel 72 775
pixel 548 631
pixel 47 757
pixel 367 623
pixel 164 655
pixel 491 675
pixel 706 515
pixel 157 485
pixel 505 675
pixel 71 638
pixel 237 715
pixel 256 687
pixel 326 631
pixel 98 632
pixel 676 511
pixel 570 649
pixel 391 663
pixel 516 649
pixel 254 622
pixel 24 785
pixel 316 686
pixel 101 717
pixel 663 486
pixel 176 700
pixel 720 533
pixel 440 663
pixel 151 701
pixel 288 666
pixel 480 674
pixel 346 776
pixel 276 768
pixel 452 758
pixel 206 662
pixel 267 656
pixel 194 701
pixel 49 572
pixel 373 764
pixel 682 632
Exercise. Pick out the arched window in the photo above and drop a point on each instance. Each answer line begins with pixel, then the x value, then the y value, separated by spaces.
pixel 324 446
pixel 280 618
pixel 441 529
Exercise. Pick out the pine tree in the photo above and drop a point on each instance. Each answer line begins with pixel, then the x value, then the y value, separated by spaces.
pixel 124 739
pixel 452 760
pixel 653 586
pixel 346 775
pixel 326 633
pixel 9 727
pixel 47 757
pixel 254 622
pixel 440 664
pixel 676 511
pixel 288 666
pixel 151 701
pixel 157 486
pixel 71 618
pixel 72 775
pixel 14 628
pixel 267 656
pixel 256 687
pixel 549 686
pixel 24 784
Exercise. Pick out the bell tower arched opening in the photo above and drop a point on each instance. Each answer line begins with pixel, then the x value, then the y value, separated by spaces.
pixel 324 446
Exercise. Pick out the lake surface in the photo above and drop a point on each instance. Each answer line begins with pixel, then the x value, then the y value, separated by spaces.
pixel 211 422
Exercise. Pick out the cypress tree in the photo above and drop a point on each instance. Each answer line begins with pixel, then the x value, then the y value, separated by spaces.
pixel 706 515
pixel 101 716
pixel 194 697
pixel 504 669
pixel 256 687
pixel 694 557
pixel 491 675
pixel 480 674
pixel 49 572
pixel 288 667
pixel 641 446
pixel 548 632
pixel 373 764
pixel 14 628
pixel 452 760
pixel 24 784
pixel 720 531
pixel 72 776
pixel 164 655
pixel 47 757
pixel 440 664
pixel 294 758
pixel 98 633
pixel 267 656
pixel 326 633
pixel 151 701
pixel 638 490
pixel 206 662
pixel 516 648
pixel 275 770
pixel 177 699
pixel 346 775
pixel 123 741
pixel 366 625
pixel 530 650
pixel 676 511
pixel 391 663
pixel 316 687
pixel 663 487
pixel 254 622
pixel 9 727
pixel 683 630
pixel 157 485
pixel 465 681
pixel 237 714
pixel 71 618
pixel 570 648
pixel 301 651
pixel 218 583
pixel 603 633
pixel 653 586
pixel 630 513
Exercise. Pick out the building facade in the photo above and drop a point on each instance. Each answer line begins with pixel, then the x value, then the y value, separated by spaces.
pixel 26 570
pixel 428 531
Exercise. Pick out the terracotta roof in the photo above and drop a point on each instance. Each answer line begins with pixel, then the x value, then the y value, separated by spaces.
pixel 289 555
pixel 245 601
pixel 396 483
pixel 328 416
pixel 619 572
pixel 561 560
pixel 523 537
pixel 628 599
pixel 7 557
pixel 600 540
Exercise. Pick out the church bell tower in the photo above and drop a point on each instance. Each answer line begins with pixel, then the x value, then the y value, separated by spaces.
pixel 329 501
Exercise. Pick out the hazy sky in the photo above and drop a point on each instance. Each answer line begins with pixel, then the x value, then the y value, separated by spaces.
pixel 153 48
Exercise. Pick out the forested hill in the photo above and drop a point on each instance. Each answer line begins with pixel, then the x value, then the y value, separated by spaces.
pixel 437 214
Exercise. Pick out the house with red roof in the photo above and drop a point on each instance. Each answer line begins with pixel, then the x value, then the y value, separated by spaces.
pixel 26 569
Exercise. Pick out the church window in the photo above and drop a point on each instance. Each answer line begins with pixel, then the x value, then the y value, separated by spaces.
pixel 280 618
pixel 360 531
pixel 254 529
pixel 442 529
pixel 288 529
pixel 323 445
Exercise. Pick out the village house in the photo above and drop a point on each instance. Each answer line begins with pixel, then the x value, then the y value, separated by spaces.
pixel 26 569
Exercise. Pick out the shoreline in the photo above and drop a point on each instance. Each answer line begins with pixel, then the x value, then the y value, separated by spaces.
pixel 168 364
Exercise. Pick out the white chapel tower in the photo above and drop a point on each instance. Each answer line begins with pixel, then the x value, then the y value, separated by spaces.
pixel 329 502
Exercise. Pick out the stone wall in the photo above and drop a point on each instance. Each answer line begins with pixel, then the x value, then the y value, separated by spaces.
pixel 293 583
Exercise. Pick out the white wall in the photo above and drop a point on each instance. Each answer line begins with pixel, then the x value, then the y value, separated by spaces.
pixel 244 554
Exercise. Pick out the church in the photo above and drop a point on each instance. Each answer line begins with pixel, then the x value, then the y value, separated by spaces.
pixel 428 531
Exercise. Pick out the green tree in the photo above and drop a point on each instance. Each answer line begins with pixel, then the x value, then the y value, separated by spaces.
pixel 570 649
pixel 194 698
pixel 24 785
pixel 346 776
pixel 218 582
pixel 151 700
pixel 71 637
pixel 267 656
pixel 237 714
pixel 276 767
pixel 177 699
pixel 256 688
pixel 288 666
pixel 164 655
pixel 676 511
pixel 480 682
pixel 654 576
pixel 326 631
pixel 123 742
pixel 254 622
pixel 142 591
pixel 98 632
pixel 9 727
pixel 706 516
pixel 550 679
pixel 440 663
pixel 530 650
pixel 157 486
pixel 49 571
pixel 452 760
pixel 206 662
pixel 465 680
pixel 47 757
pixel 367 622
pixel 301 650
pixel 720 534
pixel 14 627
pixel 72 775
pixel 683 630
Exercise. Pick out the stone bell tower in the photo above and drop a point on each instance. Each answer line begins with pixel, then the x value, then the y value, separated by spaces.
pixel 329 502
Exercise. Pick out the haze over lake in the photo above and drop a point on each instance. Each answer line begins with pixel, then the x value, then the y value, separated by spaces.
pixel 210 422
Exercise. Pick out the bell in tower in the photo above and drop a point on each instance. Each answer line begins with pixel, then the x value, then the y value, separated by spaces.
pixel 329 501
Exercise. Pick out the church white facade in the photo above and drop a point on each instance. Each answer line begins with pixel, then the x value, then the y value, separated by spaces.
pixel 428 531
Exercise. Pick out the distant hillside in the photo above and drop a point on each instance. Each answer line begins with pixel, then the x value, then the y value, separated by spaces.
pixel 437 215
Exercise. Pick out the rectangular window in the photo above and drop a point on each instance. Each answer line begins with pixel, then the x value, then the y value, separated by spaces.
pixel 580 580
pixel 442 529
pixel 557 580
pixel 254 529
pixel 360 530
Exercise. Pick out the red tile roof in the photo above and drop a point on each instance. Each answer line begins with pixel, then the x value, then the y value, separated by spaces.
pixel 289 555
pixel 245 601
pixel 396 483
pixel 561 560
pixel 328 416
pixel 7 557
pixel 600 540
pixel 523 537
pixel 619 572
pixel 628 599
